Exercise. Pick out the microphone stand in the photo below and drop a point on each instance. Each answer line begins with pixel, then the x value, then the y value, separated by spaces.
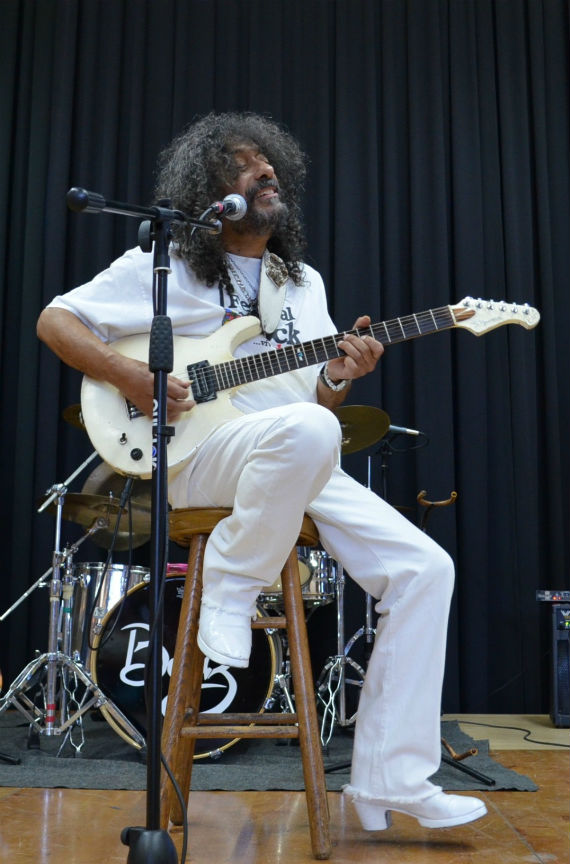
pixel 151 844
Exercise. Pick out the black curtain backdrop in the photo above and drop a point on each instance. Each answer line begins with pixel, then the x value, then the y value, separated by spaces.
pixel 438 133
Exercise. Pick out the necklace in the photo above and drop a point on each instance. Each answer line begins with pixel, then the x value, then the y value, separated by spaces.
pixel 240 278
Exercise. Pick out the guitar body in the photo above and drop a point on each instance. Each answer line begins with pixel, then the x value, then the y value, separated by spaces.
pixel 116 435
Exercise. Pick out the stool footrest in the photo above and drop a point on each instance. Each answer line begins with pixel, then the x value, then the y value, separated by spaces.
pixel 277 622
pixel 265 719
pixel 251 731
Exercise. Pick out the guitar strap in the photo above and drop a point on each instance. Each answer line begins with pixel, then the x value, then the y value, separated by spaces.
pixel 272 291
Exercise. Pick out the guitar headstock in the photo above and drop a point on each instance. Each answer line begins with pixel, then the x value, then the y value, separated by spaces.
pixel 479 316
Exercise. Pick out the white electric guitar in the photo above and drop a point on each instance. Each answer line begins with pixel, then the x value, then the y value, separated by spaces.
pixel 122 435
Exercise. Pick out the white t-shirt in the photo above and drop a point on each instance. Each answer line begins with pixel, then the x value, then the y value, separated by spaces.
pixel 118 303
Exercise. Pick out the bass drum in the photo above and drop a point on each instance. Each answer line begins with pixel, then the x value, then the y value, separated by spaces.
pixel 120 655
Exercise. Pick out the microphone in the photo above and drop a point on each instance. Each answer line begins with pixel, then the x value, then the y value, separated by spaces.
pixel 233 207
pixel 402 430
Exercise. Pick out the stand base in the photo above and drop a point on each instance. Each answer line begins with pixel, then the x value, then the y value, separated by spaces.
pixel 149 847
pixel 10 760
pixel 483 778
pixel 38 718
pixel 331 689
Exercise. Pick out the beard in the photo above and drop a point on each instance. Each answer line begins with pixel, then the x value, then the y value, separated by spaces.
pixel 262 220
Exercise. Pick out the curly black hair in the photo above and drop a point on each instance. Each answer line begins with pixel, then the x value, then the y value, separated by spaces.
pixel 199 164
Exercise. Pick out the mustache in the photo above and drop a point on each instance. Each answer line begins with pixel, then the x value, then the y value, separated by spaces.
pixel 252 191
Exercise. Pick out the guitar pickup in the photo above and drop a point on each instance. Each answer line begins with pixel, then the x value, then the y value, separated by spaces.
pixel 132 410
pixel 201 377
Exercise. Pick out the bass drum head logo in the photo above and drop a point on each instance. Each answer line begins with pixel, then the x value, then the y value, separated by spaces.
pixel 119 660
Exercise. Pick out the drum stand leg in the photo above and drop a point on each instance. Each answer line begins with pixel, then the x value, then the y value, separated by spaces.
pixel 55 716
pixel 59 666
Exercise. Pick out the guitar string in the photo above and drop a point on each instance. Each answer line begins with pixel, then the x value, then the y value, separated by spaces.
pixel 328 343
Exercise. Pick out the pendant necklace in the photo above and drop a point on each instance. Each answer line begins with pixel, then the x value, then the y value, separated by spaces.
pixel 249 291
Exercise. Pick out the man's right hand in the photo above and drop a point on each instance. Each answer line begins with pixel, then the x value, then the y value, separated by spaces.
pixel 136 383
pixel 77 346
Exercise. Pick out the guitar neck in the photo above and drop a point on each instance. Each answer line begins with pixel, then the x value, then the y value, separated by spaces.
pixel 254 367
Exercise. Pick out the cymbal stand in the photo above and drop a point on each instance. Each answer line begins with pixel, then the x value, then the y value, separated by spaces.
pixel 52 719
pixel 333 680
pixel 41 582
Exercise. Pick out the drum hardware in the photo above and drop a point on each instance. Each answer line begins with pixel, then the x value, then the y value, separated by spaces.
pixel 104 481
pixel 282 681
pixel 84 509
pixel 98 588
pixel 63 702
pixel 317 577
pixel 333 680
pixel 6 757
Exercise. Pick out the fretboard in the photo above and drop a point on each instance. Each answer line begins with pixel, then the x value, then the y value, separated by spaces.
pixel 254 367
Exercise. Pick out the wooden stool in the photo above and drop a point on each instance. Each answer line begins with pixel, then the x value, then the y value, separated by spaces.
pixel 183 722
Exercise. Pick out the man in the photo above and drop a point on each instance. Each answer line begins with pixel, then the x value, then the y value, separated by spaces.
pixel 279 458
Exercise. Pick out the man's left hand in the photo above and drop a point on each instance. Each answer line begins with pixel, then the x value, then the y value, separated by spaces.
pixel 362 354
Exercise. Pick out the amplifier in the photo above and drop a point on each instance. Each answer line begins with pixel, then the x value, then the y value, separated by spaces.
pixel 549 596
pixel 560 693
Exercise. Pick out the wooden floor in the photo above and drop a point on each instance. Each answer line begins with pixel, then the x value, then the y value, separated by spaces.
pixel 84 826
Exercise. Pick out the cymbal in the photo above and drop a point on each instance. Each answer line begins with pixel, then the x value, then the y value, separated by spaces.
pixel 361 425
pixel 104 481
pixel 72 415
pixel 86 509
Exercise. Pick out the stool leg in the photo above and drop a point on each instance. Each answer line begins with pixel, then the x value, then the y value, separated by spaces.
pixel 184 689
pixel 309 739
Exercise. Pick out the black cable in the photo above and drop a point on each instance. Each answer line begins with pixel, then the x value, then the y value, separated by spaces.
pixel 388 442
pixel 183 810
pixel 125 500
pixel 159 611
pixel 515 729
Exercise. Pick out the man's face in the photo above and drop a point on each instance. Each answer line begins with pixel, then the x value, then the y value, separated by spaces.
pixel 257 182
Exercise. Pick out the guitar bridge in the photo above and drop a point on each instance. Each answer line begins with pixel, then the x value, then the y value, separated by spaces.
pixel 202 380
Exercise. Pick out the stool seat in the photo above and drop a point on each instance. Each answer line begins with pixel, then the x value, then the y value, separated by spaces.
pixel 186 522
pixel 183 722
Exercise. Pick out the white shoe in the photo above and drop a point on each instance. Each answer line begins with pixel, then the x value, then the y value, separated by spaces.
pixel 224 637
pixel 437 811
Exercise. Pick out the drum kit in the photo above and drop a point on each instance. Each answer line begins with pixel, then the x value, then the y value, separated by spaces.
pixel 99 617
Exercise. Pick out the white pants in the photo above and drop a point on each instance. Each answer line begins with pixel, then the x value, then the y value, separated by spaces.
pixel 274 466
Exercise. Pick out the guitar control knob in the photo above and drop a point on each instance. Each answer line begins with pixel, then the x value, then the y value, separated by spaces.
pixel 136 454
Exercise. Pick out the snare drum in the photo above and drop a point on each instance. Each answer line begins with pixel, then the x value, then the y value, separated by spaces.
pixel 118 663
pixel 95 591
pixel 317 574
